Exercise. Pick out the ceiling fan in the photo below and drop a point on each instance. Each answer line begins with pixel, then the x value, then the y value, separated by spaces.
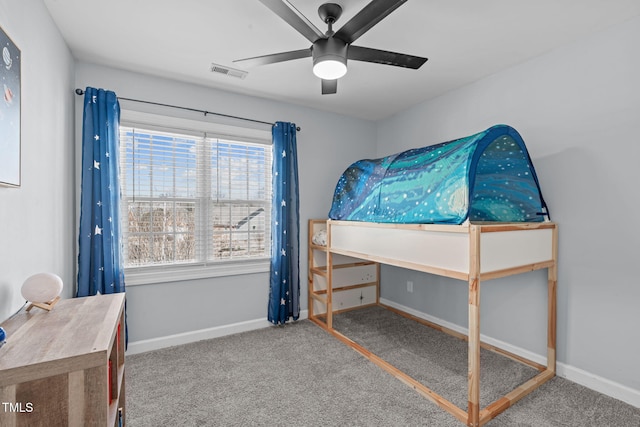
pixel 331 50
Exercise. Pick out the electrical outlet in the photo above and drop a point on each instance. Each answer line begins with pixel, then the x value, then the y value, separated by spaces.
pixel 409 286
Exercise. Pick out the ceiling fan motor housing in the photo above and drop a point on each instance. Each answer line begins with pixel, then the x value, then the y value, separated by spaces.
pixel 330 49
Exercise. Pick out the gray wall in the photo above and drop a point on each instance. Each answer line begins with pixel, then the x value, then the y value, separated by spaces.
pixel 327 144
pixel 37 219
pixel 578 110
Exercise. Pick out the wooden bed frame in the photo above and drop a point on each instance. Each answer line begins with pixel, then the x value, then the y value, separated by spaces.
pixel 472 252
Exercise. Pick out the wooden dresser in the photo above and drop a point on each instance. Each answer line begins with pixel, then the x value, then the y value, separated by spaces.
pixel 65 367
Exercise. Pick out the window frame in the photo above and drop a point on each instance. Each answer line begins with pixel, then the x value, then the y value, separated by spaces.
pixel 143 275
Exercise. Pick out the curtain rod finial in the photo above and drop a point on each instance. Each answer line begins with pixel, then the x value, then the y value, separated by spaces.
pixel 79 92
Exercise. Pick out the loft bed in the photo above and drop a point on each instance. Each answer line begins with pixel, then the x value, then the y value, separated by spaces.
pixel 471 241
pixel 470 252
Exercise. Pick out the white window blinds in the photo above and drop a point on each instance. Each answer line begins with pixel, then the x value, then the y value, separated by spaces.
pixel 190 198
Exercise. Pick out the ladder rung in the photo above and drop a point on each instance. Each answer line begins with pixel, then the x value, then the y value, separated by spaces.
pixel 360 285
pixel 355 264
pixel 321 298
pixel 346 288
pixel 321 271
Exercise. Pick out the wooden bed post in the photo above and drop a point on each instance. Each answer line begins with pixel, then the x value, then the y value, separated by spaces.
pixel 552 273
pixel 309 267
pixel 473 412
pixel 378 283
pixel 329 279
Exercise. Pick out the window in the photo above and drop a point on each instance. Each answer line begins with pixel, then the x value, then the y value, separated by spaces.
pixel 193 200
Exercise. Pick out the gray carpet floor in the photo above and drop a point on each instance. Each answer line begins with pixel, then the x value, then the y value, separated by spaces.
pixel 299 375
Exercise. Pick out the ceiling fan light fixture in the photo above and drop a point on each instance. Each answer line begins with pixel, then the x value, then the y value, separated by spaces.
pixel 329 58
pixel 330 69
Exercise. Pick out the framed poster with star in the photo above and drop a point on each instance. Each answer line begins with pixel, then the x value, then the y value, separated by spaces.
pixel 9 112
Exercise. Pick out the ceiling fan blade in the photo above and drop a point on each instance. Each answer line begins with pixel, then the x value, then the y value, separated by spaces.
pixel 274 58
pixel 369 16
pixel 329 86
pixel 293 17
pixel 366 54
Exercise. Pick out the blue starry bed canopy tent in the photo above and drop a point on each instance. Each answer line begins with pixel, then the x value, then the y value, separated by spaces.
pixel 488 176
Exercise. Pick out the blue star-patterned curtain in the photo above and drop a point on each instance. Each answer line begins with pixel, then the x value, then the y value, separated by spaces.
pixel 100 267
pixel 284 286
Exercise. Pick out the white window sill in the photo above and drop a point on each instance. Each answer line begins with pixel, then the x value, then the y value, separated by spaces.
pixel 164 274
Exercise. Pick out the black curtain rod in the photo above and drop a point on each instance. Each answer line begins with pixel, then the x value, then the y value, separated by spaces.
pixel 205 112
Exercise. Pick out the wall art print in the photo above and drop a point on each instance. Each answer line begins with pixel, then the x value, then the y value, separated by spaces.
pixel 9 112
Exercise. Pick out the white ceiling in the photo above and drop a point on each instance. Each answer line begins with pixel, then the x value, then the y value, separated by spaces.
pixel 464 40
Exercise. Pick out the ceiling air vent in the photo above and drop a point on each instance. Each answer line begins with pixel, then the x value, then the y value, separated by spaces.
pixel 231 72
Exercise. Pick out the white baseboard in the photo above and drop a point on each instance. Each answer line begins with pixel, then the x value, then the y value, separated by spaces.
pixel 142 346
pixel 579 376
pixel 599 384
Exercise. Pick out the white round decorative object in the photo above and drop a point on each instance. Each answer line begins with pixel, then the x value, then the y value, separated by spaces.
pixel 41 287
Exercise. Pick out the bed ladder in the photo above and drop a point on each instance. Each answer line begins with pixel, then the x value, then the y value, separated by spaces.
pixel 346 295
